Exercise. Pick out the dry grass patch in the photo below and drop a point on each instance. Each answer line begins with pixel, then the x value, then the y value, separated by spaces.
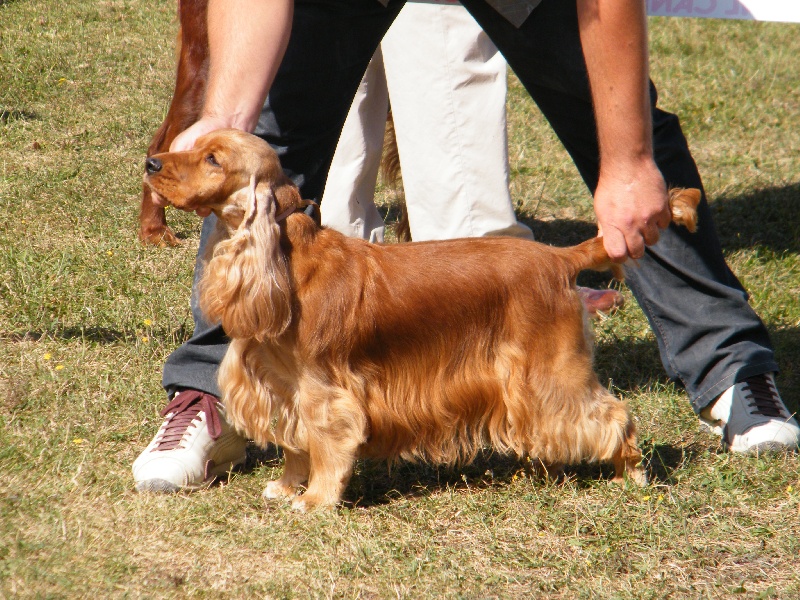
pixel 87 317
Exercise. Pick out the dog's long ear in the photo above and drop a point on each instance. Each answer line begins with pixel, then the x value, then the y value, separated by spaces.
pixel 245 286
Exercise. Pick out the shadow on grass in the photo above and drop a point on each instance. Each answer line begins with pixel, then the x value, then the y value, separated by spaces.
pixel 662 460
pixel 787 352
pixel 99 335
pixel 769 217
pixel 7 115
pixel 375 484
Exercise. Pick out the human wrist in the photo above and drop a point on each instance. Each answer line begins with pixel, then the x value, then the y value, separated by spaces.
pixel 228 121
pixel 631 164
pixel 244 118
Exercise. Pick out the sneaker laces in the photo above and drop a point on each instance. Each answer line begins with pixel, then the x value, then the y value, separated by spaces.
pixel 185 407
pixel 762 397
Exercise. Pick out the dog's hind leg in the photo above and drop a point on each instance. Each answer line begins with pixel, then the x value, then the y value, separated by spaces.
pixel 627 459
pixel 610 428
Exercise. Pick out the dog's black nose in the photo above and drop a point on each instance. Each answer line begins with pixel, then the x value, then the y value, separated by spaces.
pixel 152 165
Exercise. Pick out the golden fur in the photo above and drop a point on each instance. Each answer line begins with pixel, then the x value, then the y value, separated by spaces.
pixel 430 351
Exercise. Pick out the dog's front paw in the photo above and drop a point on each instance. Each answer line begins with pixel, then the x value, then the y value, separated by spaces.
pixel 277 489
pixel 308 502
pixel 301 504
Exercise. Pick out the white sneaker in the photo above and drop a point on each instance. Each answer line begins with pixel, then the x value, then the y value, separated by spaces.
pixel 751 417
pixel 192 448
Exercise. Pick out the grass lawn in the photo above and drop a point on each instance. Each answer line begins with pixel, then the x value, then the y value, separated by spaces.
pixel 88 315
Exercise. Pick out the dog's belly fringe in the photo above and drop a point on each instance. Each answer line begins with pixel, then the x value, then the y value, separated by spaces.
pixel 562 432
pixel 506 404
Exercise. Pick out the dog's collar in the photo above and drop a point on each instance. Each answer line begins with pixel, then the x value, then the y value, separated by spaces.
pixel 286 213
pixel 310 210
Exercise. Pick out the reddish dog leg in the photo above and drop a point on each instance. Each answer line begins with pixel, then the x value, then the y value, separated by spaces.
pixel 187 101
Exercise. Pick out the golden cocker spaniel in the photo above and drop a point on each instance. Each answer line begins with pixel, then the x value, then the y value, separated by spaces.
pixel 430 351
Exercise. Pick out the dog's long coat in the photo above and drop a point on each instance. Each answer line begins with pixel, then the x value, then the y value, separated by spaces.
pixel 341 348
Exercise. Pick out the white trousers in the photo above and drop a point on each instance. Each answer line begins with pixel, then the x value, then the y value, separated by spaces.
pixel 447 86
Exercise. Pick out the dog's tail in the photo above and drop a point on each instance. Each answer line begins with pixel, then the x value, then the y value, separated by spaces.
pixel 592 254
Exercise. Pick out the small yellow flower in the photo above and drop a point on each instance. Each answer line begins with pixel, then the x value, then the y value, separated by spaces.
pixel 78 441
pixel 62 81
pixel 47 356
pixel 110 252
pixel 790 489
pixel 147 322
pixel 645 498
pixel 145 339
pixel 59 367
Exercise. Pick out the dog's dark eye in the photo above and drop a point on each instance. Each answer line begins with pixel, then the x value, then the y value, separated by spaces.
pixel 212 160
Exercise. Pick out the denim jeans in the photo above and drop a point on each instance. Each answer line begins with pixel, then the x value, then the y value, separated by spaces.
pixel 707 334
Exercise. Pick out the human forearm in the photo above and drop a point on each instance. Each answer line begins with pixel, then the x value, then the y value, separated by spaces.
pixel 630 200
pixel 614 39
pixel 247 40
pixel 246 43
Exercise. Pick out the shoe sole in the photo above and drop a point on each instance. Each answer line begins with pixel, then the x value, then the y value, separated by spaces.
pixel 715 429
pixel 763 447
pixel 162 486
pixel 157 486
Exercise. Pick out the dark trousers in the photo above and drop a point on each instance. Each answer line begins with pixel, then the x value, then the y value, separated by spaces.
pixel 707 334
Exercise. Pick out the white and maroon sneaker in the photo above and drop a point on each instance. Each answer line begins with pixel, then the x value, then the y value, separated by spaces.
pixel 194 446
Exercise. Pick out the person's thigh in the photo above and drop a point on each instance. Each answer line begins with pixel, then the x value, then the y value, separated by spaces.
pixel 447 86
pixel 350 186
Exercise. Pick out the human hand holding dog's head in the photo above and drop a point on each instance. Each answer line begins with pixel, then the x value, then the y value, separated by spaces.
pixel 187 138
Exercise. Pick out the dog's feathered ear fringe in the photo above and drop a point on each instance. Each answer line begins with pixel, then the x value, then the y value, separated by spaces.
pixel 245 285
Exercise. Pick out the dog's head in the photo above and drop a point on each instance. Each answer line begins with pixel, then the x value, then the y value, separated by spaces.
pixel 218 174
